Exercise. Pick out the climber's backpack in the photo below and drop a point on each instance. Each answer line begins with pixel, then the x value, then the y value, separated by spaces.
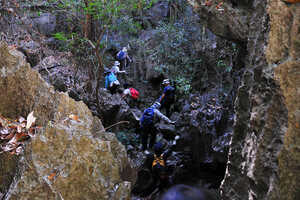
pixel 112 79
pixel 121 55
pixel 134 93
pixel 159 160
pixel 148 116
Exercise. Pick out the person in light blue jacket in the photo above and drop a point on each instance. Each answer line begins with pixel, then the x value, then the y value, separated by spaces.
pixel 111 81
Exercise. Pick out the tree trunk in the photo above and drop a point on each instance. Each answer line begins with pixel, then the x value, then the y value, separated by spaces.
pixel 87 25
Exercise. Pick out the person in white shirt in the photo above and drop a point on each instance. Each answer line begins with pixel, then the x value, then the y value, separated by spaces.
pixel 116 70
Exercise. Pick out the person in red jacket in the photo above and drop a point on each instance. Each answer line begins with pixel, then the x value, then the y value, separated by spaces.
pixel 132 93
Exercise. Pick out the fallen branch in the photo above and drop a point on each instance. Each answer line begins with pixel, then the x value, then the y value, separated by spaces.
pixel 51 67
pixel 90 42
pixel 121 122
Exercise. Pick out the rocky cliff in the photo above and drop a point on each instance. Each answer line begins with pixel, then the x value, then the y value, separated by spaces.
pixel 263 161
pixel 69 158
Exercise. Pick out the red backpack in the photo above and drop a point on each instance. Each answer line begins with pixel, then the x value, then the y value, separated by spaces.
pixel 134 93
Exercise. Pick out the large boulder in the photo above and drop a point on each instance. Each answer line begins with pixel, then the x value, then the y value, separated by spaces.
pixel 45 23
pixel 228 21
pixel 68 158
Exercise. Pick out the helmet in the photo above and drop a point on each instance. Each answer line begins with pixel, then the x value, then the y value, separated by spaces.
pixel 156 105
pixel 124 49
pixel 117 63
pixel 166 81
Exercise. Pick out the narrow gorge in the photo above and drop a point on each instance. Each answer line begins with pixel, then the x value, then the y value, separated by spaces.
pixel 235 69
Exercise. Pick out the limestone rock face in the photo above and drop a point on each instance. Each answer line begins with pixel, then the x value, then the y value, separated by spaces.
pixel 284 52
pixel 67 159
pixel 263 161
pixel 230 22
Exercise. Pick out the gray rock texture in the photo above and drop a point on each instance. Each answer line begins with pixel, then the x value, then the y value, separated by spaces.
pixel 263 162
pixel 45 23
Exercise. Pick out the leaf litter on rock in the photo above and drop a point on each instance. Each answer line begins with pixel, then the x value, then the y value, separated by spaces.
pixel 13 134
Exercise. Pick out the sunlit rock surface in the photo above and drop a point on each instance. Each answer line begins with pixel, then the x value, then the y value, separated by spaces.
pixel 264 154
pixel 67 159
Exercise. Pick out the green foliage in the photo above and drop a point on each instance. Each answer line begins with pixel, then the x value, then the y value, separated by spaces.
pixel 128 138
pixel 108 12
pixel 173 54
pixel 60 36
pixel 221 64
pixel 183 85
pixel 107 15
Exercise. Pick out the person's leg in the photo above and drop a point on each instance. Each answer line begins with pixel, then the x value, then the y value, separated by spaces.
pixel 168 112
pixel 144 138
pixel 164 179
pixel 153 132
pixel 163 105
pixel 126 63
pixel 155 174
pixel 111 90
pixel 122 64
pixel 136 103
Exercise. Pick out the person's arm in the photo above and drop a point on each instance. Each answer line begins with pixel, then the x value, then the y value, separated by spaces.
pixel 125 93
pixel 106 82
pixel 162 97
pixel 127 56
pixel 162 116
pixel 117 70
pixel 122 72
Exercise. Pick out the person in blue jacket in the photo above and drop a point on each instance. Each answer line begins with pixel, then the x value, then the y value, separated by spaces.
pixel 111 81
pixel 147 124
pixel 123 58
pixel 168 96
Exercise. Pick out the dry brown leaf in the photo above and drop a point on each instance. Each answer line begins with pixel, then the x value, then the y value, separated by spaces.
pixel 219 5
pixel 51 176
pixel 19 150
pixel 21 119
pixel 208 3
pixel 19 129
pixel 21 136
pixel 30 120
pixel 13 133
pixel 74 117
pixel 8 137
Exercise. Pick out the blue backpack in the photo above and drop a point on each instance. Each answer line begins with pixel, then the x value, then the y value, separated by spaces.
pixel 148 117
pixel 121 55
pixel 112 78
